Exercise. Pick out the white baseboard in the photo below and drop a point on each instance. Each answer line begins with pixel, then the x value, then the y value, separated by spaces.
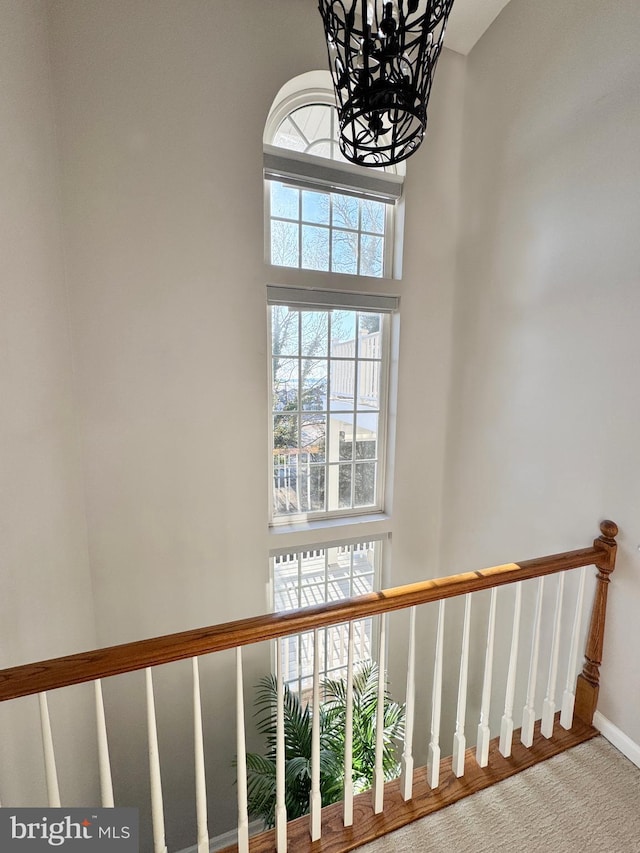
pixel 617 738
pixel 226 839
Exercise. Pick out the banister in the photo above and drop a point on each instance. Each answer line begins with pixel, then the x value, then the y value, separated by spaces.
pixel 114 660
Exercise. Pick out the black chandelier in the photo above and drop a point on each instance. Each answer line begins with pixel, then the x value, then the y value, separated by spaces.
pixel 382 56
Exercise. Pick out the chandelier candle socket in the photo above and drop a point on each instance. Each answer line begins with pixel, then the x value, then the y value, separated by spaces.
pixel 382 57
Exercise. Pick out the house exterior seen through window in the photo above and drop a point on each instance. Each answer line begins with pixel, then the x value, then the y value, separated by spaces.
pixel 318 576
pixel 328 396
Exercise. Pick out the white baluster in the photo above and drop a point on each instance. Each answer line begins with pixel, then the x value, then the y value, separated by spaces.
pixel 201 784
pixel 459 739
pixel 104 764
pixel 157 807
pixel 281 808
pixel 433 757
pixel 549 706
pixel 241 760
pixel 569 696
pixel 484 735
pixel 406 782
pixel 51 774
pixel 378 773
pixel 529 712
pixel 315 799
pixel 506 727
pixel 348 736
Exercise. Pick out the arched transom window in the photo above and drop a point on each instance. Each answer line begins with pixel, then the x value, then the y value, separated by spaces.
pixel 311 129
pixel 324 213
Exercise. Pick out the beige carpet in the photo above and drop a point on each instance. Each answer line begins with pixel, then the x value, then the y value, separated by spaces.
pixel 586 800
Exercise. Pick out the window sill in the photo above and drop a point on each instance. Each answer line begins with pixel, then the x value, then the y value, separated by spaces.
pixel 328 532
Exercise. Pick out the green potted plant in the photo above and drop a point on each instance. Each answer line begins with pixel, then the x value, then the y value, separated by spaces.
pixel 261 769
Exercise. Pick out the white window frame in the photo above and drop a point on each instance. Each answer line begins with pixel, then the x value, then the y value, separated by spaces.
pixel 301 299
pixel 381 544
pixel 289 534
pixel 307 171
pixel 388 240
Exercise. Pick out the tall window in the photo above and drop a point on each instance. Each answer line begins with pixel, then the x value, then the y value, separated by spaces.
pixel 328 393
pixel 324 213
pixel 316 229
pixel 326 231
pixel 329 367
pixel 318 576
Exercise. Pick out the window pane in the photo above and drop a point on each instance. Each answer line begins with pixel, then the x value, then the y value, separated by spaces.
pixel 315 490
pixel 326 409
pixel 343 333
pixel 284 243
pixel 322 148
pixel 285 384
pixel 286 483
pixel 369 335
pixel 285 432
pixel 362 583
pixel 344 210
pixel 372 213
pixel 342 385
pixel 284 201
pixel 315 248
pixel 314 121
pixel 371 249
pixel 365 484
pixel 284 331
pixel 369 384
pixel 306 659
pixel 344 248
pixel 289 647
pixel 353 242
pixel 311 128
pixel 312 581
pixel 315 331
pixel 314 384
pixel 313 431
pixel 285 583
pixel 344 493
pixel 315 207
pixel 345 443
pixel 312 577
pixel 288 136
pixel 366 436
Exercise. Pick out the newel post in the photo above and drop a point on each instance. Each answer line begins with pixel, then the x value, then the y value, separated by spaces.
pixel 588 684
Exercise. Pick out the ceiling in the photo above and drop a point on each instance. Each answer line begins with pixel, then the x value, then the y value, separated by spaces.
pixel 468 21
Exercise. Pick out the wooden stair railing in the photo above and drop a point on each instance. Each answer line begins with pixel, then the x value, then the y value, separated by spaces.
pixel 395 803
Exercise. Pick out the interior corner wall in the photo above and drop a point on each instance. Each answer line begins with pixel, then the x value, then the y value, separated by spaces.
pixel 46 606
pixel 545 404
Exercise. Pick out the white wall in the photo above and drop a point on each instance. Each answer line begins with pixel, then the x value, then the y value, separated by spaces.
pixel 161 152
pixel 160 108
pixel 543 425
pixel 161 207
pixel 46 606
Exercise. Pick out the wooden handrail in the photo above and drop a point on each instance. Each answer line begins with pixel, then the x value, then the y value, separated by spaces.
pixel 102 663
